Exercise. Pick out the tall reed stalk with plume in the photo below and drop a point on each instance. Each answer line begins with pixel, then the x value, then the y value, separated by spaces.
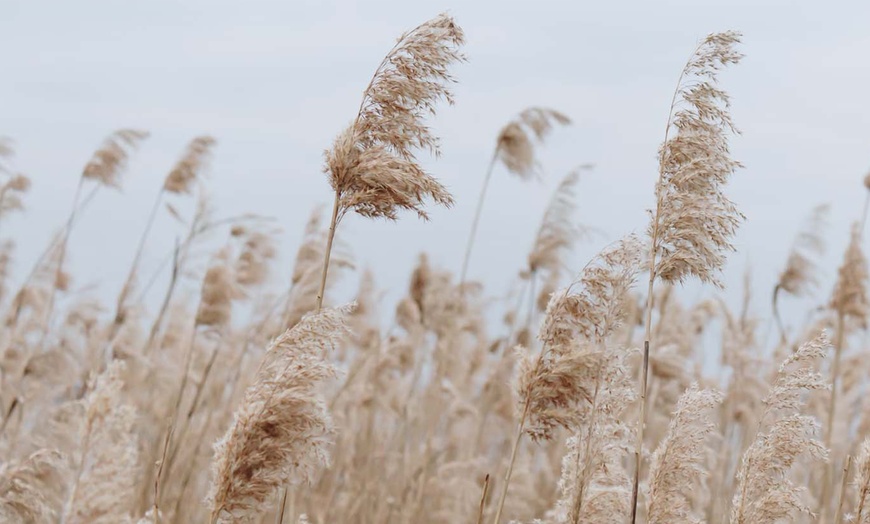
pixel 799 276
pixel 105 168
pixel 515 148
pixel 372 166
pixel 849 303
pixel 553 386
pixel 693 222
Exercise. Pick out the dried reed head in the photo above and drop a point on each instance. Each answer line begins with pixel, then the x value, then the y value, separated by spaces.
pixel 798 278
pixel 110 160
pixel 557 232
pixel 595 487
pixel 595 309
pixel 694 221
pixel 515 145
pixel 677 465
pixel 10 193
pixel 219 289
pixel 188 168
pixel 849 298
pixel 372 166
pixel 551 386
pixel 281 431
pixel 31 491
pixel 108 456
pixel 763 494
pixel 252 265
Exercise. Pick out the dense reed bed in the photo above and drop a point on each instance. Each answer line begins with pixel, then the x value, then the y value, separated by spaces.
pixel 251 401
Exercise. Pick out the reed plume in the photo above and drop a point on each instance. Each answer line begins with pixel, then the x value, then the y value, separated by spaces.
pixel 595 487
pixel 850 305
pixel 109 161
pixel 253 263
pixel 764 494
pixel 554 240
pixel 515 148
pixel 105 465
pixel 31 491
pixel 849 298
pixel 372 166
pixel 190 167
pixel 11 191
pixel 693 223
pixel 281 431
pixel 551 386
pixel 105 167
pixel 677 465
pixel 799 278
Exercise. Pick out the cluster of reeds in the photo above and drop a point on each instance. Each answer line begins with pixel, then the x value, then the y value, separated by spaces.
pixel 239 399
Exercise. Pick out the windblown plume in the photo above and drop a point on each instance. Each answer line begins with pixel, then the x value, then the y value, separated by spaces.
pixel 219 289
pixel 596 309
pixel 551 385
pixel 694 222
pixel 861 514
pixel 110 160
pixel 595 487
pixel 798 278
pixel 515 145
pixel 372 165
pixel 677 465
pixel 252 266
pixel 281 430
pixel 557 232
pixel 10 193
pixel 849 298
pixel 188 168
pixel 764 494
pixel 32 491
pixel 105 484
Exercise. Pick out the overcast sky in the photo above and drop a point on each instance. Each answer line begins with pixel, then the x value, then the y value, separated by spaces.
pixel 274 81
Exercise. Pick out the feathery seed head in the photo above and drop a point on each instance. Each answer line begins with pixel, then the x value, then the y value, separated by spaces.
pixel 557 233
pixel 281 431
pixel 372 165
pixel 849 298
pixel 108 162
pixel 515 145
pixel 694 221
pixel 798 277
pixel 219 289
pixel 188 168
pixel 677 465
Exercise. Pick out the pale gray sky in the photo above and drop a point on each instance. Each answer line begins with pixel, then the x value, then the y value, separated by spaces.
pixel 275 80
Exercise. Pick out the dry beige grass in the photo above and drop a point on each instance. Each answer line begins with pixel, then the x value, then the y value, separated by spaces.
pixel 239 399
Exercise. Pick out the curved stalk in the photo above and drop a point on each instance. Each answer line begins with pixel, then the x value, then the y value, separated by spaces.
pixel 476 220
pixel 510 470
pixel 328 251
